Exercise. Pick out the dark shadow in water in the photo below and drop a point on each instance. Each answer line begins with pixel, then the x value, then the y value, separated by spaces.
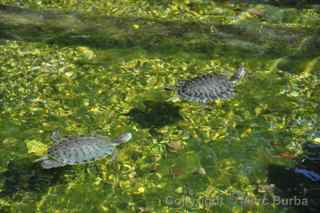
pixel 282 3
pixel 74 29
pixel 1 100
pixel 155 115
pixel 25 176
pixel 300 184
pixel 300 59
pixel 292 186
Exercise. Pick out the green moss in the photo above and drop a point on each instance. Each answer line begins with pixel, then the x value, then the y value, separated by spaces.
pixel 104 68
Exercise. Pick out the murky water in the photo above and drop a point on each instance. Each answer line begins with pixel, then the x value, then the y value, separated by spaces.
pixel 98 67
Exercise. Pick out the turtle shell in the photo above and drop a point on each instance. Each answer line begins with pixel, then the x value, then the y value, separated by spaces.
pixel 206 88
pixel 77 150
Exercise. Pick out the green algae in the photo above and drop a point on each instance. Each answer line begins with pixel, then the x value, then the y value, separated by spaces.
pixel 104 68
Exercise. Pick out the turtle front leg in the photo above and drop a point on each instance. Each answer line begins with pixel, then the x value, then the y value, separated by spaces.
pixel 207 105
pixel 114 155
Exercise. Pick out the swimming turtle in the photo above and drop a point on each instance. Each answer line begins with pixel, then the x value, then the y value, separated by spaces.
pixel 71 150
pixel 208 87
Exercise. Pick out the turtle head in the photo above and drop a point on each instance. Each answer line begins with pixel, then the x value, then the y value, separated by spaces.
pixel 238 74
pixel 124 138
pixel 55 136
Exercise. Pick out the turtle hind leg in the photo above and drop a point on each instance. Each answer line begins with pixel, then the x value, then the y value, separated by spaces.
pixel 41 159
pixel 49 164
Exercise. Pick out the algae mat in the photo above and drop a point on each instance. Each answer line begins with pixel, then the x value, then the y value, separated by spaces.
pixel 101 67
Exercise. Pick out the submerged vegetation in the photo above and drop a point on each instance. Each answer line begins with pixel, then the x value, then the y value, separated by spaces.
pixel 102 67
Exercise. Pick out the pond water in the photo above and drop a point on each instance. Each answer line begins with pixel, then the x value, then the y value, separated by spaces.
pixel 101 67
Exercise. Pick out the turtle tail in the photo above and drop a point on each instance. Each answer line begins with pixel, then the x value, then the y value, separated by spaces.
pixel 174 87
pixel 170 88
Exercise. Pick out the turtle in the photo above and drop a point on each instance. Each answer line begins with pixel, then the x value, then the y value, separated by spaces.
pixel 208 87
pixel 72 150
